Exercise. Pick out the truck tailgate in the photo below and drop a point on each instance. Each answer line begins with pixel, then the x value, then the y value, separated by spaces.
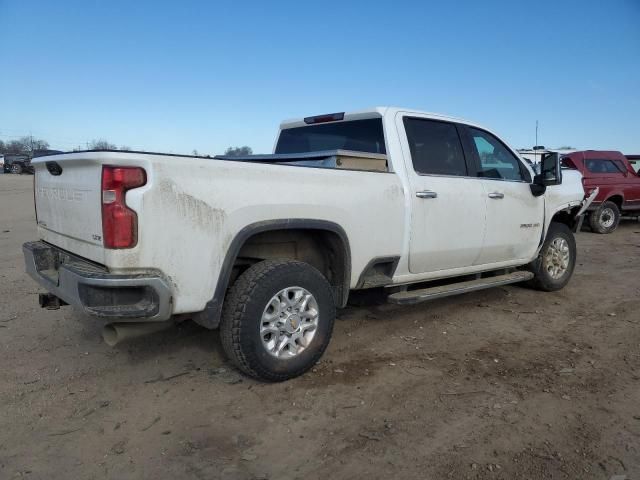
pixel 67 198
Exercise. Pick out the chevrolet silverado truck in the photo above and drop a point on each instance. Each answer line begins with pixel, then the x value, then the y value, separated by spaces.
pixel 617 181
pixel 267 247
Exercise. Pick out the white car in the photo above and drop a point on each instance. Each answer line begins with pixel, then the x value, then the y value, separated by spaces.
pixel 266 247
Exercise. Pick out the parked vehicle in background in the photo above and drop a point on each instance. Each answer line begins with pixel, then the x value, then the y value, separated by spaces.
pixel 21 163
pixel 2 163
pixel 535 154
pixel 268 246
pixel 634 160
pixel 617 180
pixel 17 164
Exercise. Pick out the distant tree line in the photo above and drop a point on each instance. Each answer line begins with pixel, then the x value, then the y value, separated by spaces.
pixel 28 145
pixel 238 151
pixel 100 144
pixel 23 146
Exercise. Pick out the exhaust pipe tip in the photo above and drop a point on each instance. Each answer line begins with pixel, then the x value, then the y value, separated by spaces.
pixel 110 335
pixel 114 333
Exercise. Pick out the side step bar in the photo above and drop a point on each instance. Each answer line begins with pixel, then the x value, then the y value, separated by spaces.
pixel 412 297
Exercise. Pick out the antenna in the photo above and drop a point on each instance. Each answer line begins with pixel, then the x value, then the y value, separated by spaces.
pixel 536 144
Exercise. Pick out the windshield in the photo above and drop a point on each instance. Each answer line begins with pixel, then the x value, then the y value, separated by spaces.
pixel 358 135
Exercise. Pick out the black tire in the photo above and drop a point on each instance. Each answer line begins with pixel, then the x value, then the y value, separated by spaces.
pixel 605 218
pixel 242 314
pixel 543 279
pixel 16 168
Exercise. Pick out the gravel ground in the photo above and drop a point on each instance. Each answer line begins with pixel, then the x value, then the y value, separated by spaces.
pixel 501 384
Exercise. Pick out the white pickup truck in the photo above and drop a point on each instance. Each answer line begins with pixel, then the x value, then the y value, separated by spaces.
pixel 266 247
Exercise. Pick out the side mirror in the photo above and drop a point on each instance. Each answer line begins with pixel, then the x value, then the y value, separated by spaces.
pixel 550 171
pixel 537 187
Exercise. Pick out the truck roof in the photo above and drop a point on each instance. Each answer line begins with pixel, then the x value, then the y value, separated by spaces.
pixel 590 154
pixel 378 112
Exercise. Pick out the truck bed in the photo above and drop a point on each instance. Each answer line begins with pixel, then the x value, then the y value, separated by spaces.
pixel 191 208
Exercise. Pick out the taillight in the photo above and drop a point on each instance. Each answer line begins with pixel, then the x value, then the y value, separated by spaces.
pixel 119 222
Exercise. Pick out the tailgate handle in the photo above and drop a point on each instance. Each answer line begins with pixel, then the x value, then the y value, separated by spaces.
pixel 54 168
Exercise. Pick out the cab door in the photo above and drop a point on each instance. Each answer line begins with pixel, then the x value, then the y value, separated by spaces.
pixel 515 217
pixel 630 183
pixel 447 203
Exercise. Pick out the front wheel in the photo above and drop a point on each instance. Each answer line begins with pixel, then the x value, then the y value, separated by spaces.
pixel 557 259
pixel 16 168
pixel 277 319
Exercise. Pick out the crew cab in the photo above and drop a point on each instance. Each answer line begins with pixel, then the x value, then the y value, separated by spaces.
pixel 267 247
pixel 618 183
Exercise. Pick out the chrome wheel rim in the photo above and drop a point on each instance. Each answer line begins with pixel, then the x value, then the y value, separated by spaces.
pixel 289 322
pixel 557 257
pixel 607 217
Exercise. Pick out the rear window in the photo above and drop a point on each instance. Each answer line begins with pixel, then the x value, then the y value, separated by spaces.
pixel 358 135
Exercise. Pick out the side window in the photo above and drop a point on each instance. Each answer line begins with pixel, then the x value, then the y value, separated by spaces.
pixel 596 165
pixel 435 147
pixel 622 168
pixel 496 160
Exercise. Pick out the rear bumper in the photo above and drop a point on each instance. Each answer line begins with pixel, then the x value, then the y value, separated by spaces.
pixel 79 282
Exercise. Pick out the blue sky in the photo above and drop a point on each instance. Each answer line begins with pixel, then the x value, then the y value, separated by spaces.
pixel 183 75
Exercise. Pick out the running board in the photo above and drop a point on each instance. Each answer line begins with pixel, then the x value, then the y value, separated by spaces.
pixel 412 297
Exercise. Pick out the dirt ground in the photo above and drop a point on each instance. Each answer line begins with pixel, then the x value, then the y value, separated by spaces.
pixel 502 384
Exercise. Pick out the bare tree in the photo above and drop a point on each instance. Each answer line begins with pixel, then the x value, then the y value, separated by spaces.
pixel 238 151
pixel 102 144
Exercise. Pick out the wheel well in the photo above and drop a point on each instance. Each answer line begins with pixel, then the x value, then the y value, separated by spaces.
pixel 323 249
pixel 617 199
pixel 568 217
pixel 323 244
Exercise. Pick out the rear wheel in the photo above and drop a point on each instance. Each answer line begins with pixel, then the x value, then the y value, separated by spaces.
pixel 16 168
pixel 605 218
pixel 277 319
pixel 557 259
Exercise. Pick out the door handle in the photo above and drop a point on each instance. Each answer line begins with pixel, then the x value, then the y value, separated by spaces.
pixel 496 195
pixel 426 194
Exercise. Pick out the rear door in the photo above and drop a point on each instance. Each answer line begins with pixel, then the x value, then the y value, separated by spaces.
pixel 447 204
pixel 631 185
pixel 515 217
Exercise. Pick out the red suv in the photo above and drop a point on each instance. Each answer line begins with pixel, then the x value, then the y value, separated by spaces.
pixel 618 181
